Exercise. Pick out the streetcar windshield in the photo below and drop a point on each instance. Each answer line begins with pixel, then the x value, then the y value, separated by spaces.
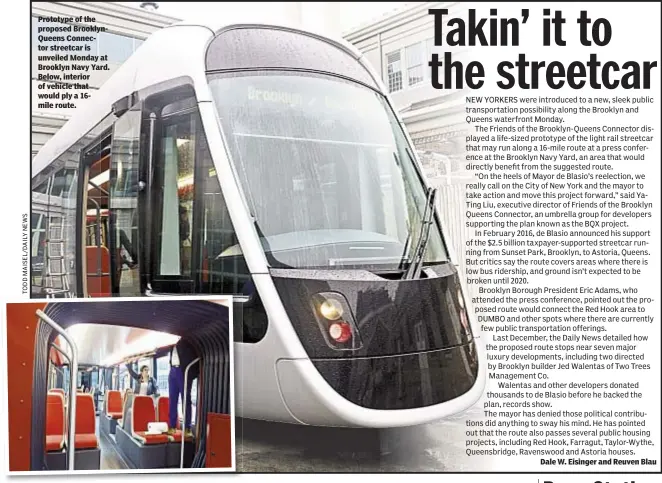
pixel 326 171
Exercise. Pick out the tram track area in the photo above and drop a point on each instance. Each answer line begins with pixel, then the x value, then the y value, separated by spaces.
pixel 265 447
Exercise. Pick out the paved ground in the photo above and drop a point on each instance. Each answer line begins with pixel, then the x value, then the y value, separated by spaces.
pixel 273 447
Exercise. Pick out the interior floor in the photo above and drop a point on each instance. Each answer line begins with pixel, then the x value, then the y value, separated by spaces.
pixel 111 459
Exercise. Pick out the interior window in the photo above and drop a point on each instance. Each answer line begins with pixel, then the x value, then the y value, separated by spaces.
pixel 65 379
pixel 194 399
pixel 162 371
pixel 124 378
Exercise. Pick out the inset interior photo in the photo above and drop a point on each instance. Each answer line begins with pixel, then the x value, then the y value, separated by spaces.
pixel 113 385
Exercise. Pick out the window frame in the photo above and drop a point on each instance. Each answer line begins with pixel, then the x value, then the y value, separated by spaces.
pixel 194 282
pixel 122 372
pixel 427 47
pixel 171 283
pixel 388 75
pixel 157 375
pixel 421 46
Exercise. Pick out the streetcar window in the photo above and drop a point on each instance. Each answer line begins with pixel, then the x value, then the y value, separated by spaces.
pixel 65 378
pixel 194 399
pixel 94 378
pixel 178 153
pixel 60 263
pixel 192 225
pixel 216 233
pixel 331 154
pixel 125 237
pixel 124 378
pixel 162 371
pixel 192 219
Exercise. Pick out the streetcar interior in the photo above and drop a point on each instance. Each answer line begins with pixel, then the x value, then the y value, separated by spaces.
pixel 112 364
pixel 107 357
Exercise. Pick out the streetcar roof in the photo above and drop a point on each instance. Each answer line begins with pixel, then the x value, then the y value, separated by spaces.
pixel 174 51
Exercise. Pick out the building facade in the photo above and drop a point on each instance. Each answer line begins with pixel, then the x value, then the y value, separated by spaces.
pixel 399 46
pixel 125 30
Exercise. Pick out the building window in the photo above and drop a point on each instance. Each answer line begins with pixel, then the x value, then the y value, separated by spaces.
pixel 415 62
pixel 394 70
pixel 430 49
pixel 415 58
pixel 118 48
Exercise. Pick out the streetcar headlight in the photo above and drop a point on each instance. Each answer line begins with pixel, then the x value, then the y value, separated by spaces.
pixel 331 309
pixel 336 321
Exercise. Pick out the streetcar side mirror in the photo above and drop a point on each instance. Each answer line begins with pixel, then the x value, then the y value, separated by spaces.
pixel 124 104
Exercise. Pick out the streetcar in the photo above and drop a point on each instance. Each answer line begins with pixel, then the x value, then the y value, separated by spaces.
pixel 268 163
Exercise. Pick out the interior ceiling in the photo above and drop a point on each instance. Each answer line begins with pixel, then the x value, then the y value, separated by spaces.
pixel 97 343
pixel 115 322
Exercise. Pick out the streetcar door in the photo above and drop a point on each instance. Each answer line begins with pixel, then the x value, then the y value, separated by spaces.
pixel 95 253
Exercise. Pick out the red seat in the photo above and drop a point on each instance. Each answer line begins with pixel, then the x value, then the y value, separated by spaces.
pixel 162 409
pixel 86 441
pixel 114 404
pixel 86 433
pixel 162 416
pixel 54 421
pixel 143 414
pixel 57 390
